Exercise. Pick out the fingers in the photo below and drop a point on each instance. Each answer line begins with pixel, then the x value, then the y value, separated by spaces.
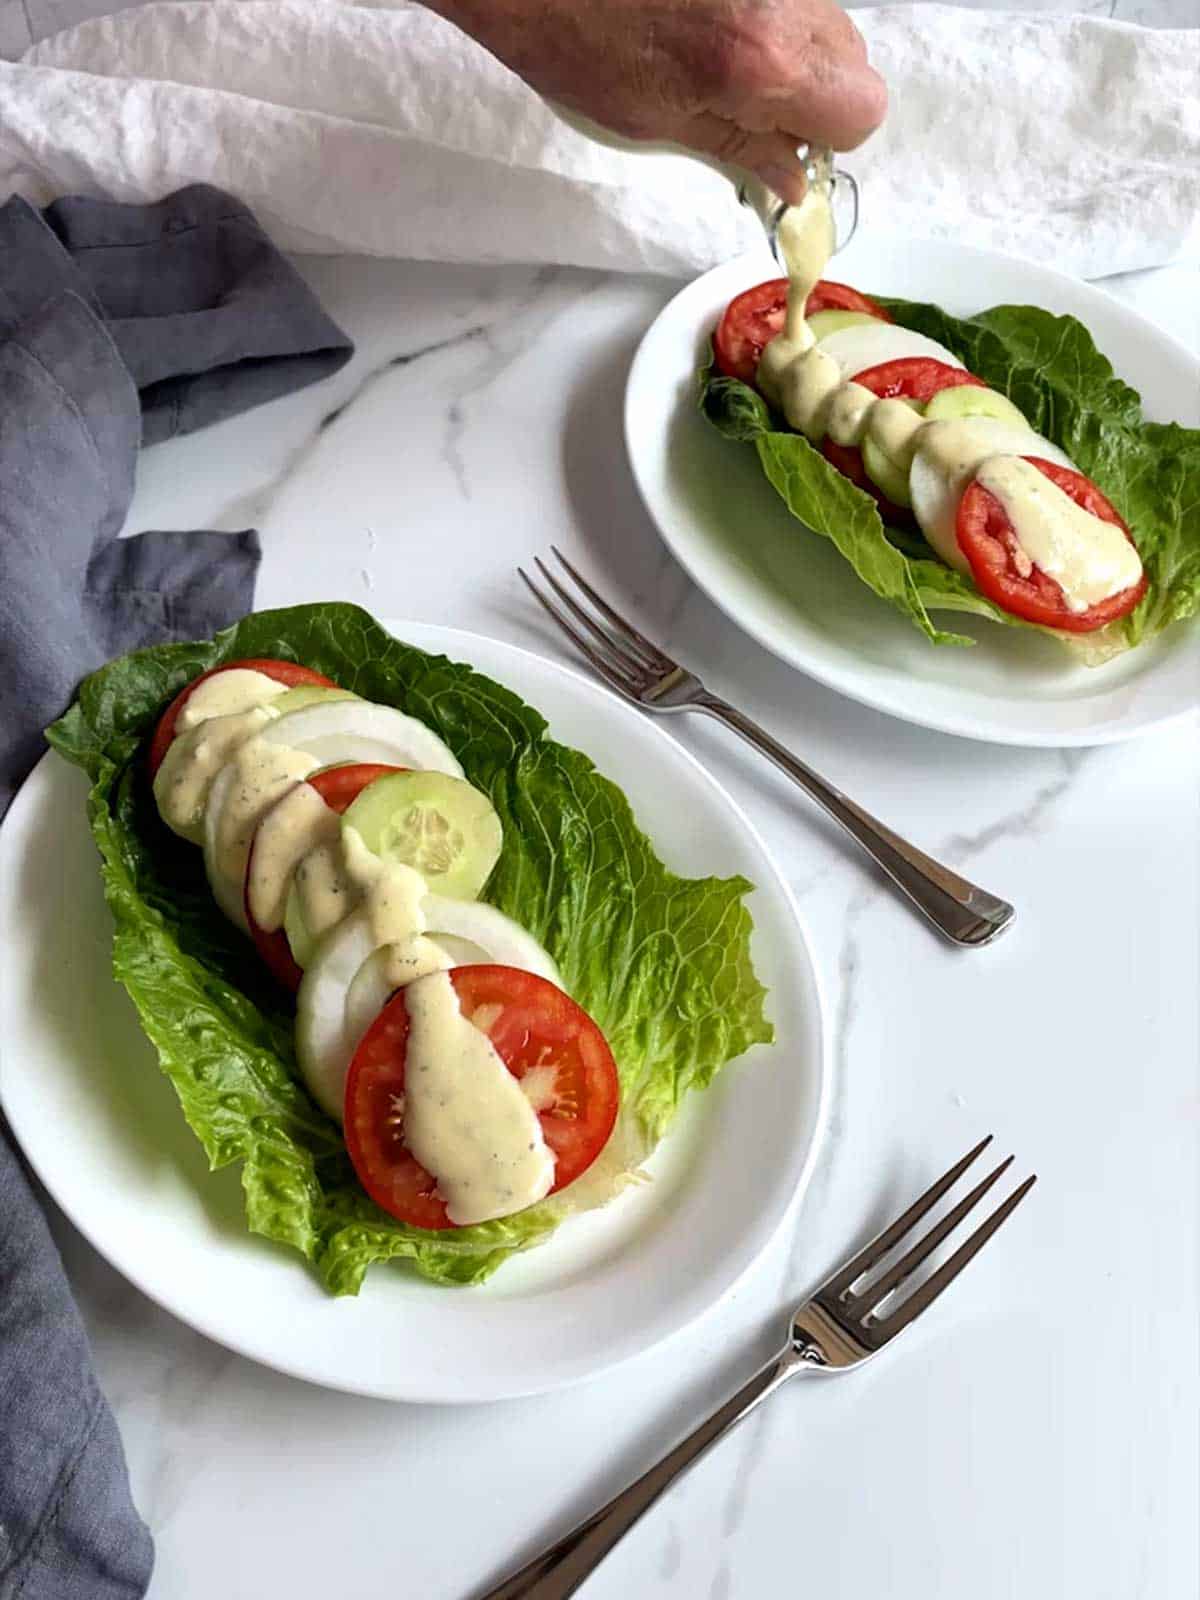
pixel 789 183
pixel 802 67
pixel 823 81
pixel 840 106
pixel 772 156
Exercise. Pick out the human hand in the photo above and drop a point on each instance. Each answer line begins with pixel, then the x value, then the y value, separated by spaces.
pixel 743 81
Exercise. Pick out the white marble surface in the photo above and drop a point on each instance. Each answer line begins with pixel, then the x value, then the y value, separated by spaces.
pixel 1036 1435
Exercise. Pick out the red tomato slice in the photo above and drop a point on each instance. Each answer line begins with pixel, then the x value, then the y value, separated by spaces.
pixel 909 378
pixel 287 672
pixel 339 787
pixel 750 322
pixel 847 458
pixel 830 296
pixel 536 1024
pixel 986 538
pixel 753 319
pixel 914 378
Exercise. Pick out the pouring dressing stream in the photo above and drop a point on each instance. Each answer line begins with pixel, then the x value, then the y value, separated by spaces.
pixel 1089 558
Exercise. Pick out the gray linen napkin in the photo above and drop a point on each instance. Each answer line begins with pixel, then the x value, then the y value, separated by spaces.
pixel 68 1530
pixel 119 325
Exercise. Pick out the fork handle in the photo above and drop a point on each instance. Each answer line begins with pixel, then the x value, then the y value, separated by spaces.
pixel 961 910
pixel 559 1571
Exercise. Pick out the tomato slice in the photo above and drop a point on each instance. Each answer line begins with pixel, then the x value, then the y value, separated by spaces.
pixel 830 296
pixel 908 378
pixel 287 672
pixel 847 458
pixel 987 539
pixel 914 378
pixel 535 1024
pixel 753 319
pixel 339 787
pixel 749 324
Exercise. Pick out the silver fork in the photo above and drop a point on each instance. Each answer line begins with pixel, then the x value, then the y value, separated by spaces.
pixel 643 673
pixel 838 1328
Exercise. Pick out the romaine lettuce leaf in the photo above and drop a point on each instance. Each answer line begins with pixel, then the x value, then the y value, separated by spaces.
pixel 1049 367
pixel 661 962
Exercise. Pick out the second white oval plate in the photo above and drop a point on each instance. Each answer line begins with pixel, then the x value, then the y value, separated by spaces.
pixel 101 1127
pixel 791 590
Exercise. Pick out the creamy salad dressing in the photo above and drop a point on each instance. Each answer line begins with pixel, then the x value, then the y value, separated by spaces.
pixel 182 782
pixel 324 888
pixel 262 774
pixel 806 239
pixel 405 960
pixel 293 827
pixel 392 900
pixel 340 874
pixel 1088 558
pixel 847 412
pixel 466 1119
pixel 894 428
pixel 805 382
pixel 958 448
pixel 806 388
pixel 235 689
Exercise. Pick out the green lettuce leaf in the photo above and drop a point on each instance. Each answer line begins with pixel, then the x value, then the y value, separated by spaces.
pixel 661 962
pixel 1050 368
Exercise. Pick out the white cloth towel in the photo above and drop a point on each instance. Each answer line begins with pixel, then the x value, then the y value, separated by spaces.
pixel 382 129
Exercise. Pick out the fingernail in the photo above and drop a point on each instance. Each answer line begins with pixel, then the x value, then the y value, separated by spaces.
pixel 787 182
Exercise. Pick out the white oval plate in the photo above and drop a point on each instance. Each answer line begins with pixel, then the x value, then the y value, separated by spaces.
pixel 792 591
pixel 101 1127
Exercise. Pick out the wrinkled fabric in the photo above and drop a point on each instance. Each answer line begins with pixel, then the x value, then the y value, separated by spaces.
pixel 207 315
pixel 68 1529
pixel 119 326
pixel 379 128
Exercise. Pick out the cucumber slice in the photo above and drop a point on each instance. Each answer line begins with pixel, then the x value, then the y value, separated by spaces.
pixel 307 694
pixel 823 323
pixel 294 925
pixel 882 470
pixel 442 827
pixel 968 401
pixel 332 870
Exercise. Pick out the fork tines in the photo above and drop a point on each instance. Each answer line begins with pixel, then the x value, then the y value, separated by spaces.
pixel 617 650
pixel 863 1312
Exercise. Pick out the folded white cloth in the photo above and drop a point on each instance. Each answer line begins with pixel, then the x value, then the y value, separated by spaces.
pixel 383 129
